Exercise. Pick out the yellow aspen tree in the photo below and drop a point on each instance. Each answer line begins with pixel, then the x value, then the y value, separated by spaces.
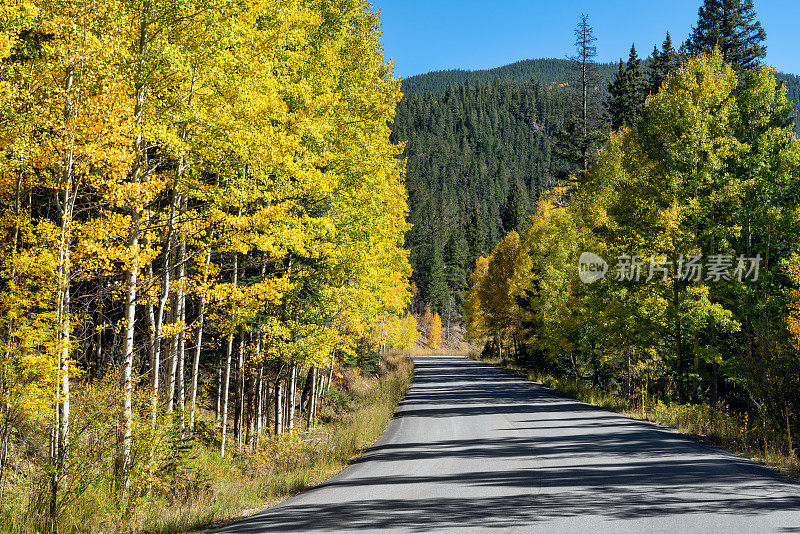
pixel 435 334
pixel 474 306
pixel 793 319
pixel 79 147
pixel 410 332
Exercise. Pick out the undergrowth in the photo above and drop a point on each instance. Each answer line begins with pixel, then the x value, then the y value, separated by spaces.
pixel 205 487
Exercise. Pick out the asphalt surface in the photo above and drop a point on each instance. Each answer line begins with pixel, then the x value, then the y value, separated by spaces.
pixel 473 448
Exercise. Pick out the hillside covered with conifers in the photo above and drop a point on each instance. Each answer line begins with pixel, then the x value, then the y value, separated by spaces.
pixel 476 156
pixel 547 71
pixel 480 151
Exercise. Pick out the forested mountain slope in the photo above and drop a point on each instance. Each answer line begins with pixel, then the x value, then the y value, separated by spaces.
pixel 471 137
pixel 548 71
pixel 477 157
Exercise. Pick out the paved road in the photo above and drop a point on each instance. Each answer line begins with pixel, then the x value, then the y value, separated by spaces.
pixel 475 449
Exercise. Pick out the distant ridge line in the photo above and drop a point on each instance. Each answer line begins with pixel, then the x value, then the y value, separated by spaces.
pixel 548 71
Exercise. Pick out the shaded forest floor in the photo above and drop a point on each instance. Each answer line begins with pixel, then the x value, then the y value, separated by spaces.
pixel 715 425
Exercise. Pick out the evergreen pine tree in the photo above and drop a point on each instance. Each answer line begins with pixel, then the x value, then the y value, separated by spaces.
pixel 627 93
pixel 435 291
pixel 663 64
pixel 731 25
pixel 583 134
pixel 516 210
pixel 617 91
pixel 457 267
pixel 636 87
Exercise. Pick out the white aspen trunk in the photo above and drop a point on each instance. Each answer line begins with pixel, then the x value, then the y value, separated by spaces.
pixel 239 425
pixel 317 390
pixel 320 391
pixel 250 417
pixel 127 350
pixel 176 356
pixel 286 383
pixel 199 343
pixel 228 358
pixel 131 284
pixel 64 369
pixel 278 407
pixel 330 372
pixel 61 431
pixel 287 402
pixel 312 394
pixel 63 309
pixel 159 318
pixel 60 440
pixel 181 353
pixel 292 396
pixel 219 394
pixel 259 406
pixel 181 371
pixel 172 358
pixel 226 390
pixel 258 417
pixel 267 404
pixel 151 320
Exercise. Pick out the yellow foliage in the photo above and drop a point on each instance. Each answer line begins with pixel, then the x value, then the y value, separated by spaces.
pixel 435 333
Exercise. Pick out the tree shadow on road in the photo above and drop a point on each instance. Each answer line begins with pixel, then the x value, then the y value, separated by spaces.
pixel 582 462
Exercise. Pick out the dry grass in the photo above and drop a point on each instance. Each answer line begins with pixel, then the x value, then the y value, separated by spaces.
pixel 424 350
pixel 217 489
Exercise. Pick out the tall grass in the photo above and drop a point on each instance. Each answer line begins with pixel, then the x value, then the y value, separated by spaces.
pixel 209 488
pixel 717 424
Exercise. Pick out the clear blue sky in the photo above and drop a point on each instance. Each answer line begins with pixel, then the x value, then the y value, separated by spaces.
pixel 424 35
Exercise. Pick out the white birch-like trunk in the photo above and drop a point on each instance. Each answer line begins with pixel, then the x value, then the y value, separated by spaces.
pixel 292 396
pixel 312 401
pixel 60 435
pixel 240 383
pixel 199 343
pixel 131 282
pixel 286 402
pixel 219 394
pixel 267 405
pixel 128 350
pixel 228 358
pixel 330 373
pixel 159 318
pixel 172 359
pixel 259 399
pixel 181 352
pixel 226 391
pixel 278 407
